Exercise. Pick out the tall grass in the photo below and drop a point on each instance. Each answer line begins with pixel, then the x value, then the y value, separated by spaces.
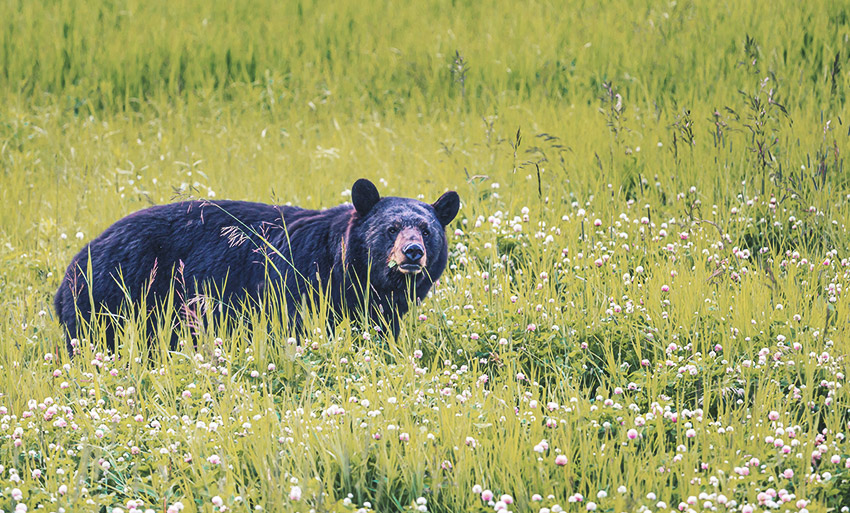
pixel 646 277
pixel 391 57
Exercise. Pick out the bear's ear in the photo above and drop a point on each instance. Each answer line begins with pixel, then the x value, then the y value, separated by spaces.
pixel 447 207
pixel 364 195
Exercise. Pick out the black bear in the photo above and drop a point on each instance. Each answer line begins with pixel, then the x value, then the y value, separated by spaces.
pixel 374 255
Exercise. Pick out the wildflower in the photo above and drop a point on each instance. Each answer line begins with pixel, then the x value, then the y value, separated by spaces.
pixel 561 460
pixel 295 493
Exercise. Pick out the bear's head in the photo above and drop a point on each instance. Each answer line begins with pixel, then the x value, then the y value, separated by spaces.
pixel 399 241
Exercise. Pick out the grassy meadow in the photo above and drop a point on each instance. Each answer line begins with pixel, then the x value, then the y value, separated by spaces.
pixel 644 306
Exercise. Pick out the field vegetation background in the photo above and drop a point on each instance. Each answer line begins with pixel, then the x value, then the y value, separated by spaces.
pixel 644 309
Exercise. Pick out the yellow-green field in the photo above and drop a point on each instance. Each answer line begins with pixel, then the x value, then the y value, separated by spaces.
pixel 644 309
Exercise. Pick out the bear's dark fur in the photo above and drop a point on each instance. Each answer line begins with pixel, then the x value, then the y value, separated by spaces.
pixel 239 248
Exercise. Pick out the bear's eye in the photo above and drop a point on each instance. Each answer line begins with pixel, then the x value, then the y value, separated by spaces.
pixel 392 230
pixel 426 232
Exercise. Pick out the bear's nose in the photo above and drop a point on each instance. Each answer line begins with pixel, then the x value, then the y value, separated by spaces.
pixel 414 251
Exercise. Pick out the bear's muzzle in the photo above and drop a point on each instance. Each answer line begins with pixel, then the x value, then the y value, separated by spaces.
pixel 408 251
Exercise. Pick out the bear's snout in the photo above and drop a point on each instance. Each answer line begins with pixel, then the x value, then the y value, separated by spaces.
pixel 414 251
pixel 409 251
